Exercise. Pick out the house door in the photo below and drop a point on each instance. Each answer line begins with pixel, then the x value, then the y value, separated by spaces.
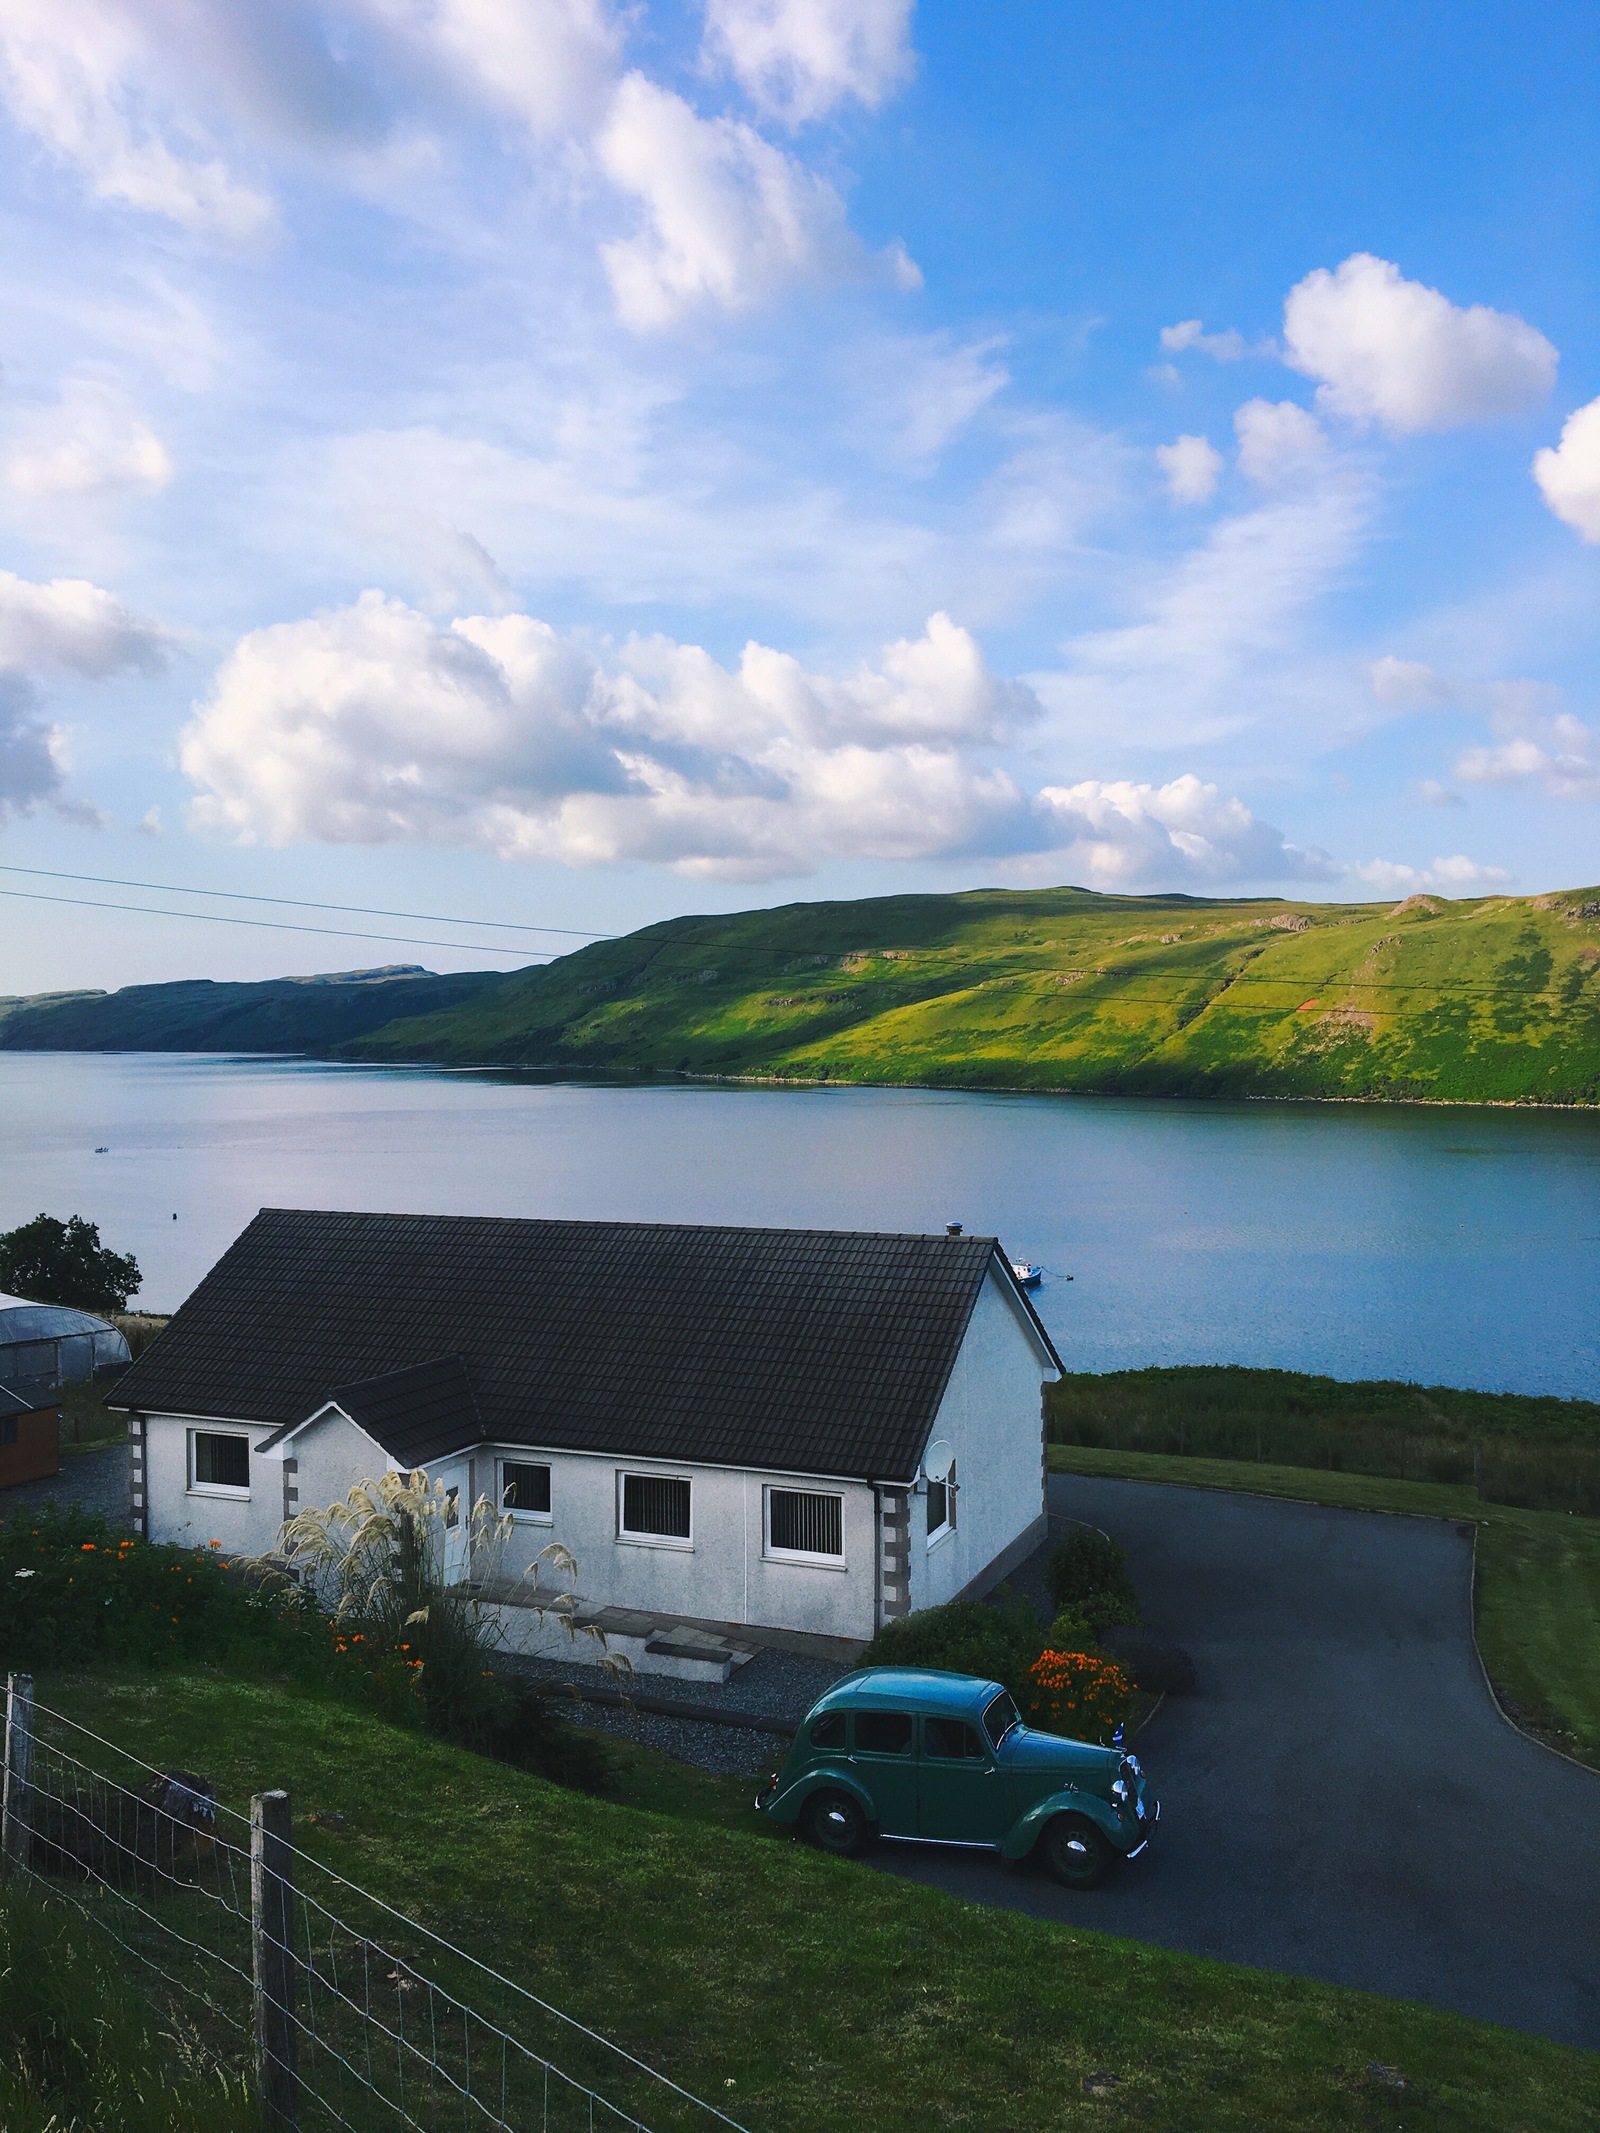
pixel 456 1481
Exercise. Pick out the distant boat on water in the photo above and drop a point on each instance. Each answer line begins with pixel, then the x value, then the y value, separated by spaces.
pixel 1028 1275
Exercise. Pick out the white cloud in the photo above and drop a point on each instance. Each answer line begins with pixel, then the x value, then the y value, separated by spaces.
pixel 1455 876
pixel 729 218
pixel 1191 465
pixel 87 78
pixel 1556 749
pixel 92 440
pixel 1568 473
pixel 149 823
pixel 799 59
pixel 1278 442
pixel 1410 683
pixel 550 63
pixel 371 725
pixel 915 395
pixel 1400 354
pixel 1228 347
pixel 73 625
pixel 1125 835
pixel 1433 794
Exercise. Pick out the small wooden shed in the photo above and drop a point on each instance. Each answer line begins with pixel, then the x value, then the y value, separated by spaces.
pixel 30 1435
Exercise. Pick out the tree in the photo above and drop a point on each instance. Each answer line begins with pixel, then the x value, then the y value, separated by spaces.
pixel 54 1262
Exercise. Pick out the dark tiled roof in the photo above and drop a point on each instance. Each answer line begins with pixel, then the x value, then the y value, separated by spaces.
pixel 811 1351
pixel 26 1399
pixel 417 1415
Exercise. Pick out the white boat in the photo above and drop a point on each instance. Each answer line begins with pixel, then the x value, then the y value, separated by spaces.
pixel 1028 1275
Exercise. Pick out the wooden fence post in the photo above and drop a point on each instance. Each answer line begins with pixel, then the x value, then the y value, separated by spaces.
pixel 18 1770
pixel 272 1935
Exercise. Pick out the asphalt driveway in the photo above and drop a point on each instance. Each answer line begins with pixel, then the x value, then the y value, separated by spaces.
pixel 1340 1798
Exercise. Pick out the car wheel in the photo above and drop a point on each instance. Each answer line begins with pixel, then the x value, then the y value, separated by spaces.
pixel 835 1823
pixel 1074 1852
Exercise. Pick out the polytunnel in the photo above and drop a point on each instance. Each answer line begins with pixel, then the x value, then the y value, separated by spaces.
pixel 55 1345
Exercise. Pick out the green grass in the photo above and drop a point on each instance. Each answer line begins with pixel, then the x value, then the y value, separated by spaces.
pixel 1543 1454
pixel 1494 999
pixel 1538 1596
pixel 804 1994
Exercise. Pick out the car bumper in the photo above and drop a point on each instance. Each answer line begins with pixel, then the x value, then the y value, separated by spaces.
pixel 1146 1830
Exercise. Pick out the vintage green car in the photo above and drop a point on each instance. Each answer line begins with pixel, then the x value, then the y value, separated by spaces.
pixel 895 1751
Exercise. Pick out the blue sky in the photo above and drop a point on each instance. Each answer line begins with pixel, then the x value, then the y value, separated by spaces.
pixel 543 460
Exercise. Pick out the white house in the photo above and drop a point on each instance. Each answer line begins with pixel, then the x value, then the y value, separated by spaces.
pixel 794 1430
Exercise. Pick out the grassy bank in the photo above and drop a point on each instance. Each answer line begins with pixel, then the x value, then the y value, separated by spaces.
pixel 1542 1454
pixel 1489 1000
pixel 805 1994
pixel 1538 1596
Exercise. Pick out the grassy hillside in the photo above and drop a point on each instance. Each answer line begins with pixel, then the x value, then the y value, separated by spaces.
pixel 1496 999
pixel 195 1015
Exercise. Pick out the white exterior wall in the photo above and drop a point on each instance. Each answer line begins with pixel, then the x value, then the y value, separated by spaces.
pixel 191 1519
pixel 724 1575
pixel 990 1420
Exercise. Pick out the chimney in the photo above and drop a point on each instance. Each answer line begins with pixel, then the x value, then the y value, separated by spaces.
pixel 952 1229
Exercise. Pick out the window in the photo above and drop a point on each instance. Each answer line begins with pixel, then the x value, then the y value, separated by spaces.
pixel 942 1502
pixel 219 1464
pixel 883 1732
pixel 999 1719
pixel 525 1489
pixel 654 1507
pixel 828 1730
pixel 800 1522
pixel 952 1738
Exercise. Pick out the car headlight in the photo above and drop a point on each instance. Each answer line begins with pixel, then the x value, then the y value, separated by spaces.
pixel 1119 1791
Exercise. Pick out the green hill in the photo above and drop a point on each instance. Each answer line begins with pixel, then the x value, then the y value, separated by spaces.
pixel 1496 999
pixel 195 1015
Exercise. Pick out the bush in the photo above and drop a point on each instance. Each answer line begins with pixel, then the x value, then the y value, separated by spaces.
pixel 1159 1668
pixel 1087 1573
pixel 1077 1694
pixel 963 1637
pixel 1071 1631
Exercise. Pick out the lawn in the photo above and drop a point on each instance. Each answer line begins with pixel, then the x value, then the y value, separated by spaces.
pixel 1538 1574
pixel 803 1993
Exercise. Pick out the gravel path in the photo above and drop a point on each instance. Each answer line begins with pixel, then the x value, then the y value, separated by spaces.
pixel 97 1481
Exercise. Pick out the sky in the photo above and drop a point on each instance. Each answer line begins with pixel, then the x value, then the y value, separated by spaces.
pixel 565 464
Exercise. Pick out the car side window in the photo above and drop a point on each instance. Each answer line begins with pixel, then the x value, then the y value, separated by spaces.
pixel 828 1730
pixel 953 1739
pixel 883 1732
pixel 999 1719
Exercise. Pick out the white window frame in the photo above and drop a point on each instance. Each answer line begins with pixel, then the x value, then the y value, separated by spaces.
pixel 626 1538
pixel 805 1556
pixel 952 1489
pixel 525 1518
pixel 216 1488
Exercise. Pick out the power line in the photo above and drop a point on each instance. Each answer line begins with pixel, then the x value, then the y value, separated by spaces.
pixel 278 925
pixel 302 903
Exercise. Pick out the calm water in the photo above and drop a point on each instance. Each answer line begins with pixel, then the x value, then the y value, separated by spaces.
pixel 1457 1247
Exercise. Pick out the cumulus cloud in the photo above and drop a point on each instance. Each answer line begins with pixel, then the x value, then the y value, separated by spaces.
pixel 66 626
pixel 1409 683
pixel 1553 749
pixel 1227 347
pixel 86 77
pixel 1125 835
pixel 550 64
pixel 92 440
pixel 373 725
pixel 799 59
pixel 1397 353
pixel 1455 876
pixel 1568 473
pixel 1278 442
pixel 1191 465
pixel 729 218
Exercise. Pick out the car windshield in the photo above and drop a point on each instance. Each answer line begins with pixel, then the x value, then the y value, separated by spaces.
pixel 999 1719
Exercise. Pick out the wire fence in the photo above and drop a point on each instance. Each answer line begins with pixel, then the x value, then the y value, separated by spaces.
pixel 349 2012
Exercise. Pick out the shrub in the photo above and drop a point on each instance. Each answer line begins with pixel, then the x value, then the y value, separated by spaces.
pixel 1077 1694
pixel 1087 1573
pixel 963 1637
pixel 1159 1668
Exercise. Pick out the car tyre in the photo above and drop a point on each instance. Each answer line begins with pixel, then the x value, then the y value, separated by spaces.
pixel 1074 1852
pixel 835 1823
